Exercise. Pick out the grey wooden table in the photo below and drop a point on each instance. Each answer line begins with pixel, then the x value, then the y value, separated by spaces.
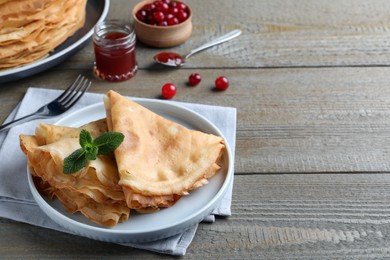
pixel 311 84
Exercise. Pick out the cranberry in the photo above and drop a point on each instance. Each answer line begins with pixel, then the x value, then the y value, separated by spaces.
pixel 150 18
pixel 173 4
pixel 221 83
pixel 169 16
pixel 161 6
pixel 173 21
pixel 182 15
pixel 194 79
pixel 163 13
pixel 181 6
pixel 163 23
pixel 173 10
pixel 168 91
pixel 158 16
pixel 149 7
pixel 141 15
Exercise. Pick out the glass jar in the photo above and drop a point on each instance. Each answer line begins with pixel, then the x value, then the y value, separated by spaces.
pixel 114 45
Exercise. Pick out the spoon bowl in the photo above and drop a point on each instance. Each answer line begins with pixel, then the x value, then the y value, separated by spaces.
pixel 173 59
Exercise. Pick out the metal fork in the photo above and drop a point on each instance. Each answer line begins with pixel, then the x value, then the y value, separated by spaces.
pixel 58 106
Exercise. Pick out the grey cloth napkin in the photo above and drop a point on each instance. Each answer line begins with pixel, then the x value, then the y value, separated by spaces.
pixel 16 200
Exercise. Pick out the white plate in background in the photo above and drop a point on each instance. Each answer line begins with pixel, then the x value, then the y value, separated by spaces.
pixel 96 11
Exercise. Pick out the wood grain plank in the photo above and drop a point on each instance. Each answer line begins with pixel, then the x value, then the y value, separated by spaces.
pixel 274 216
pixel 306 216
pixel 297 33
pixel 310 84
pixel 278 33
pixel 289 120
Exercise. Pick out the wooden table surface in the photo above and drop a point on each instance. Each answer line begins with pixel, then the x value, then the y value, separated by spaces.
pixel 311 84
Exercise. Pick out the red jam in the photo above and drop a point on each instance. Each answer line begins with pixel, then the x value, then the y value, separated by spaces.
pixel 169 58
pixel 114 52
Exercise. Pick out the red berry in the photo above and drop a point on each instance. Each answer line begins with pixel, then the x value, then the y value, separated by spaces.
pixel 149 7
pixel 141 15
pixel 163 23
pixel 182 15
pixel 173 10
pixel 173 21
pixel 161 6
pixel 163 13
pixel 221 83
pixel 194 79
pixel 168 91
pixel 169 16
pixel 158 16
pixel 181 6
pixel 150 18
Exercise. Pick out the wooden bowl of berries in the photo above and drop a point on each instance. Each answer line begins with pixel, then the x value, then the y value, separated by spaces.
pixel 162 23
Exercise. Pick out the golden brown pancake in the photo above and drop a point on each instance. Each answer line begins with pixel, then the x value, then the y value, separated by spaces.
pixel 94 190
pixel 159 160
pixel 30 29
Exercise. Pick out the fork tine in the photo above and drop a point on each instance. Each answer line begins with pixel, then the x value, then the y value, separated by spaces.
pixel 69 89
pixel 72 91
pixel 78 93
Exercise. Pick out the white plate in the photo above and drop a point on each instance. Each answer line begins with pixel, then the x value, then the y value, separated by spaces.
pixel 96 11
pixel 188 211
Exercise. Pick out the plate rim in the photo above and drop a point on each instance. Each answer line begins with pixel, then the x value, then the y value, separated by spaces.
pixel 101 232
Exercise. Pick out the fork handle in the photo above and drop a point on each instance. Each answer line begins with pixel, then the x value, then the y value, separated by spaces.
pixel 19 121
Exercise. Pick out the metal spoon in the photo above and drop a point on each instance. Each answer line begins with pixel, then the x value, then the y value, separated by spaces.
pixel 176 60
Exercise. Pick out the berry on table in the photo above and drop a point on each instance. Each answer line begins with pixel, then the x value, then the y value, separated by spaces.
pixel 194 79
pixel 221 83
pixel 168 90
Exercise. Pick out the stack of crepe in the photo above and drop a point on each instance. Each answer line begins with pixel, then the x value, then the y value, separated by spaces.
pixel 158 162
pixel 94 190
pixel 30 29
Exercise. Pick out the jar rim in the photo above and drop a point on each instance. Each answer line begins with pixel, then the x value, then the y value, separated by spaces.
pixel 109 26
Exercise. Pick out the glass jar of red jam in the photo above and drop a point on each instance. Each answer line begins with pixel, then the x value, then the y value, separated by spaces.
pixel 114 45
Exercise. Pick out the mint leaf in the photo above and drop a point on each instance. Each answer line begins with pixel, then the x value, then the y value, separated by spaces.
pixel 104 144
pixel 75 161
pixel 108 142
pixel 91 152
pixel 85 138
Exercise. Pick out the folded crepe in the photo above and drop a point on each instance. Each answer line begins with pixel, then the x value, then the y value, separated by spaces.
pixel 159 160
pixel 94 190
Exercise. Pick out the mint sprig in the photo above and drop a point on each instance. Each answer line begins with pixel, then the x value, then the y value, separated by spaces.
pixel 90 149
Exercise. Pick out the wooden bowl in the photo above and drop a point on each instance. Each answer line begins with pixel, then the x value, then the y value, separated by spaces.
pixel 161 36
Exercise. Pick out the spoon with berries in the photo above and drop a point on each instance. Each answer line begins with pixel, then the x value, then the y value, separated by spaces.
pixel 176 60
